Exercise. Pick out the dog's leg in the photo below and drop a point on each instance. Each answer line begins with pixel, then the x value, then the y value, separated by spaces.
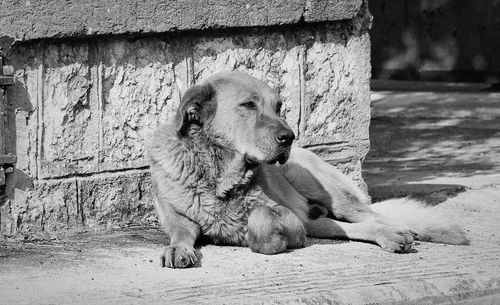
pixel 323 184
pixel 183 234
pixel 277 221
pixel 392 238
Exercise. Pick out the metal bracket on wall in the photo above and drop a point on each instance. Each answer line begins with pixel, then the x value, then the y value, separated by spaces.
pixel 6 75
pixel 7 161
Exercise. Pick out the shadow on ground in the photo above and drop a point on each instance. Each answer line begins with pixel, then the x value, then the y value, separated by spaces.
pixel 76 246
pixel 419 137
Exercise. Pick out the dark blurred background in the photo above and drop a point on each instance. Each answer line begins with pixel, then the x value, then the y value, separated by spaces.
pixel 436 40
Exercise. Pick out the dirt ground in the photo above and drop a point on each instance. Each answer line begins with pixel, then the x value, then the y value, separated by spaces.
pixel 443 147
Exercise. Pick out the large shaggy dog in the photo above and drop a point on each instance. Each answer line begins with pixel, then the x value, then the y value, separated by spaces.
pixel 225 168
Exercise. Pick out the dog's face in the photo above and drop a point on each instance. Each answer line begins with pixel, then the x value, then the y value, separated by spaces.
pixel 243 112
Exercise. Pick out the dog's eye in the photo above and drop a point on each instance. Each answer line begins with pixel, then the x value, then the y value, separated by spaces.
pixel 249 105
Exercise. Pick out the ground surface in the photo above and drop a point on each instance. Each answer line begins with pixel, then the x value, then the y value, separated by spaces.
pixel 434 145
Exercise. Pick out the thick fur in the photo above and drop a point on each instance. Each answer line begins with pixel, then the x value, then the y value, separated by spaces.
pixel 215 174
pixel 428 221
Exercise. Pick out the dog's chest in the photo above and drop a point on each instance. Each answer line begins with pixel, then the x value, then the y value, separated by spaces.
pixel 224 220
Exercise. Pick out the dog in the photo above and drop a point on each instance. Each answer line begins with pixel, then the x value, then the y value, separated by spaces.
pixel 225 168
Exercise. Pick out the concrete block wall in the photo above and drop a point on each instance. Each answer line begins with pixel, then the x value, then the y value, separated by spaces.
pixel 83 104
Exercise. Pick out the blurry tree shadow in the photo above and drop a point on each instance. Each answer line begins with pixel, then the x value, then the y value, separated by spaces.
pixel 418 137
pixel 435 40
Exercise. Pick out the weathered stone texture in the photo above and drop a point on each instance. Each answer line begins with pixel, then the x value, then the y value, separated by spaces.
pixel 51 206
pixel 141 85
pixel 107 200
pixel 337 77
pixel 81 110
pixel 26 20
pixel 321 10
pixel 22 98
pixel 69 119
pixel 114 200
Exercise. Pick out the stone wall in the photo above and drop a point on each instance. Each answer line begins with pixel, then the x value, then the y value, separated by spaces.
pixel 81 108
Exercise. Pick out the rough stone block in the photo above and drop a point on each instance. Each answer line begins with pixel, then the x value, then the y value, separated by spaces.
pixel 109 200
pixel 69 119
pixel 320 10
pixel 58 18
pixel 142 81
pixel 22 112
pixel 116 199
pixel 51 206
pixel 337 74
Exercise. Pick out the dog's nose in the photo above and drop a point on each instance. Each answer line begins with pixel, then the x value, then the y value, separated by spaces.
pixel 285 137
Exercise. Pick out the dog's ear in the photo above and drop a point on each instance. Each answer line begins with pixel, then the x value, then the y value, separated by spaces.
pixel 197 107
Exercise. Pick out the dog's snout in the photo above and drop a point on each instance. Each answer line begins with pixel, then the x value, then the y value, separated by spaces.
pixel 285 137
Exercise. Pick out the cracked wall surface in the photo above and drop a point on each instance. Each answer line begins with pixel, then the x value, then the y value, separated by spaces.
pixel 81 109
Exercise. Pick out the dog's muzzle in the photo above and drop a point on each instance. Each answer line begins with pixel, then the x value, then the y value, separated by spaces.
pixel 282 157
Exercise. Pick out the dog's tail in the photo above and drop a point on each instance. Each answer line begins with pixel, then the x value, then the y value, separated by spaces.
pixel 430 223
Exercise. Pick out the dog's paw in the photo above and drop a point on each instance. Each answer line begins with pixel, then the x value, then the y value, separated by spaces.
pixel 269 243
pixel 178 256
pixel 271 230
pixel 293 228
pixel 396 238
pixel 265 233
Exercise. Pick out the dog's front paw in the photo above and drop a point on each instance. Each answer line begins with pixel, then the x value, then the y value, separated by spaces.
pixel 293 228
pixel 178 256
pixel 396 238
pixel 271 242
pixel 271 230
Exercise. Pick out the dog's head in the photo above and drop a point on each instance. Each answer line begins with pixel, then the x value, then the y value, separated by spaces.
pixel 242 112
